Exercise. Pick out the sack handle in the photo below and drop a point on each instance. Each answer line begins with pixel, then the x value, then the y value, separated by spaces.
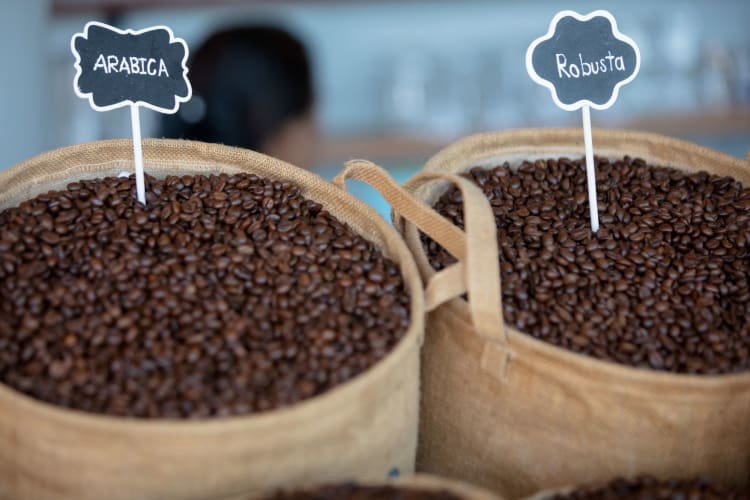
pixel 478 269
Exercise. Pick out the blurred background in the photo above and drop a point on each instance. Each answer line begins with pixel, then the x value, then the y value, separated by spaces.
pixel 394 81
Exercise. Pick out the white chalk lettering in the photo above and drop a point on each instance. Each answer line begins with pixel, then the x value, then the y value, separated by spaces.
pixel 131 65
pixel 100 63
pixel 163 67
pixel 610 57
pixel 561 62
pixel 591 68
pixel 620 63
pixel 111 64
pixel 609 62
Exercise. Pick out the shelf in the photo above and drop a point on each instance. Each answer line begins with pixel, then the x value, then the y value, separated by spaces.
pixel 389 148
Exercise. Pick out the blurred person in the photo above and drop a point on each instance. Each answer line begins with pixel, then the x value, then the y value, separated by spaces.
pixel 252 88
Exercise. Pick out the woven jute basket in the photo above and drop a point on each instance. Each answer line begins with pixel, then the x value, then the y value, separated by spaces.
pixel 517 415
pixel 551 493
pixel 426 482
pixel 360 430
pixel 462 490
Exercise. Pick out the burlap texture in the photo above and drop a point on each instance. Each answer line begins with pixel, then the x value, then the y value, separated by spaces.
pixel 461 489
pixel 426 482
pixel 551 417
pixel 360 430
pixel 516 415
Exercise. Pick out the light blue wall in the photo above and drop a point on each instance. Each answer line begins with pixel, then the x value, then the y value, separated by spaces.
pixel 24 96
pixel 471 51
pixel 355 45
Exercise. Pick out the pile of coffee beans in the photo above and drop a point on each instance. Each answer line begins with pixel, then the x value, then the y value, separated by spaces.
pixel 649 488
pixel 224 295
pixel 663 284
pixel 351 491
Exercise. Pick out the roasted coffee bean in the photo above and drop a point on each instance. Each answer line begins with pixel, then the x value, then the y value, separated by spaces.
pixel 351 491
pixel 647 487
pixel 667 277
pixel 224 295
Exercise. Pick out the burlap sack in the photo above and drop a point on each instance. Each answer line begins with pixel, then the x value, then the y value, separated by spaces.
pixel 461 489
pixel 549 494
pixel 360 430
pixel 517 415
pixel 426 482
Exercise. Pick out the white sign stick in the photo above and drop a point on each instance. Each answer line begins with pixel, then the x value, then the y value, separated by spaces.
pixel 117 68
pixel 140 181
pixel 583 61
pixel 590 171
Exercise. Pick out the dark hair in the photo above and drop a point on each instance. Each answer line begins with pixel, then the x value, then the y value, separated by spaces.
pixel 251 82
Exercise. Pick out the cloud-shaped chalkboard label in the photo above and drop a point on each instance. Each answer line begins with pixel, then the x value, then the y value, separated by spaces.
pixel 116 68
pixel 583 60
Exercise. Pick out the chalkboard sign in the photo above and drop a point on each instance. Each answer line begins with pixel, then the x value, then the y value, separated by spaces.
pixel 116 68
pixel 583 60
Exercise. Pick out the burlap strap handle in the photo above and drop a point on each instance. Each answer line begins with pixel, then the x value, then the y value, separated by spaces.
pixel 477 270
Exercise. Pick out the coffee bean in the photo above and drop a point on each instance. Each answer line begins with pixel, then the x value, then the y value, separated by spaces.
pixel 674 256
pixel 140 218
pixel 649 487
pixel 224 295
pixel 50 237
